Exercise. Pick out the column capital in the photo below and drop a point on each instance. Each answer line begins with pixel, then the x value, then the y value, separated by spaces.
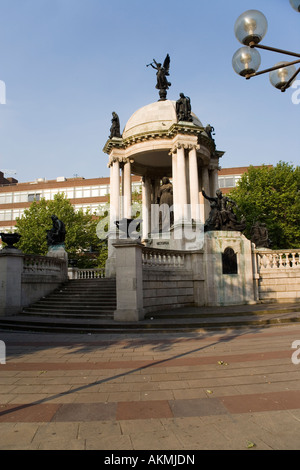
pixel 185 146
pixel 118 158
pixel 213 166
pixel 186 142
pixel 116 155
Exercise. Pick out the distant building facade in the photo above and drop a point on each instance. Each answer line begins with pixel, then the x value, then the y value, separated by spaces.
pixel 83 193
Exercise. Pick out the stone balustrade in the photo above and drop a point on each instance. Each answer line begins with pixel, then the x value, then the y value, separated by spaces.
pixel 158 258
pixel 277 259
pixel 35 264
pixel 86 273
pixel 278 275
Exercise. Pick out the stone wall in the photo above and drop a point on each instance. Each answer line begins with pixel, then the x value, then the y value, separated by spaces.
pixel 24 279
pixel 169 291
pixel 172 279
pixel 229 269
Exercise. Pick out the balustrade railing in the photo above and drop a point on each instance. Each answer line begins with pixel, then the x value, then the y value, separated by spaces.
pixel 158 258
pixel 278 259
pixel 87 273
pixel 35 264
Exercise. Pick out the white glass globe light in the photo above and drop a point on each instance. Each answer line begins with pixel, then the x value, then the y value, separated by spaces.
pixel 246 61
pixel 251 26
pixel 280 77
pixel 295 4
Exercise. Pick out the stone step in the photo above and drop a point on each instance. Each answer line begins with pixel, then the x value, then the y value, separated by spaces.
pixel 91 282
pixel 212 321
pixel 77 299
pixel 233 311
pixel 76 309
pixel 103 314
pixel 94 293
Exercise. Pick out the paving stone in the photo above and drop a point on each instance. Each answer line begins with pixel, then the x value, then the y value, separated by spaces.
pixel 197 407
pixel 85 412
pixel 143 410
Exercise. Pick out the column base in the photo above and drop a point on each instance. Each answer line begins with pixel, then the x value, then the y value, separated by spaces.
pixel 128 315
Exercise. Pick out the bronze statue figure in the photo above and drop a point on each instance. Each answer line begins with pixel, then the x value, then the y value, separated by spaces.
pixel 115 126
pixel 162 72
pixel 210 131
pixel 260 235
pixel 165 201
pixel 57 234
pixel 222 216
pixel 183 108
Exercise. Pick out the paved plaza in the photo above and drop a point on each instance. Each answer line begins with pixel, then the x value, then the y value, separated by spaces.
pixel 208 389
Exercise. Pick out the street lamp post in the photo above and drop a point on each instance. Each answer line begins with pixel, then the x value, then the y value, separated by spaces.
pixel 250 28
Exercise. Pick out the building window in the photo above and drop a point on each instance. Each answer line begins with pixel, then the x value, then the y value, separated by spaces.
pixel 20 197
pixel 95 191
pixel 34 197
pixel 6 198
pixel 228 181
pixel 104 190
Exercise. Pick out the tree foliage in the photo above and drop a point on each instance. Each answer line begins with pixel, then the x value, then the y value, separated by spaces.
pixel 80 228
pixel 271 195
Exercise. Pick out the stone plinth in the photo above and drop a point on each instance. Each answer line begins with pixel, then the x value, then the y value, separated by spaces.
pixel 11 266
pixel 58 251
pixel 129 281
pixel 229 268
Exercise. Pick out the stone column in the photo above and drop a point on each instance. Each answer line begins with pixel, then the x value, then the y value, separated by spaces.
pixel 114 192
pixel 206 186
pixel 181 190
pixel 146 206
pixel 194 184
pixel 214 181
pixel 175 184
pixel 127 190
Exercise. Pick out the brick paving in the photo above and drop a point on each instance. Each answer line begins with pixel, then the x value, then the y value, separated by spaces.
pixel 208 389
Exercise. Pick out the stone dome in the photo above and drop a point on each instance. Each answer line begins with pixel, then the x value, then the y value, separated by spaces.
pixel 155 117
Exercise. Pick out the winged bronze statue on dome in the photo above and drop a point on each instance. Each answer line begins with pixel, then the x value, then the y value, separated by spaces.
pixel 162 73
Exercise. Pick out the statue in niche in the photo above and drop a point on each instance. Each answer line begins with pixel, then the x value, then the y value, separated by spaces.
pixel 165 201
pixel 115 126
pixel 260 235
pixel 222 216
pixel 183 108
pixel 57 235
pixel 162 73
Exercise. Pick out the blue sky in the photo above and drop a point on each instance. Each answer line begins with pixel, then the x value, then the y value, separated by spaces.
pixel 67 64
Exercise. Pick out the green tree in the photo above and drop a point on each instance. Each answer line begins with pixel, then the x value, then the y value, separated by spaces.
pixel 80 228
pixel 271 195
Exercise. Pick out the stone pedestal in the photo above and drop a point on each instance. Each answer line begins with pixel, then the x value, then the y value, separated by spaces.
pixel 129 281
pixel 229 268
pixel 11 266
pixel 58 251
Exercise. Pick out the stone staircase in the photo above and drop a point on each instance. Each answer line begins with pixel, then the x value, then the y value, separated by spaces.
pixel 87 306
pixel 88 298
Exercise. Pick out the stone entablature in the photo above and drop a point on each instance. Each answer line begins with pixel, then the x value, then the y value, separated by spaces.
pixel 185 129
